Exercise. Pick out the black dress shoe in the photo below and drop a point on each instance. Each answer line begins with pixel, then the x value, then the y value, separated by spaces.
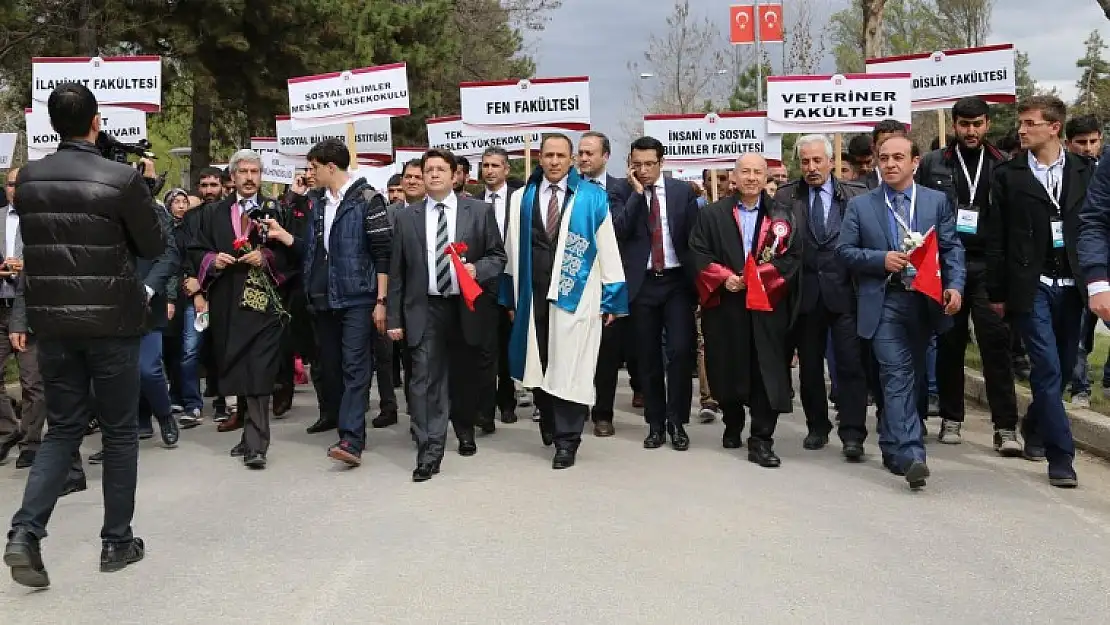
pixel 238 451
pixel 117 556
pixel 254 460
pixel 25 460
pixel 546 435
pixel 564 459
pixel 655 439
pixel 9 444
pixel 916 473
pixel 603 429
pixel 763 454
pixel 74 486
pixel 170 432
pixel 283 400
pixel 424 471
pixel 732 442
pixel 487 425
pixel 467 446
pixel 813 441
pixel 383 420
pixel 508 416
pixel 680 440
pixel 323 424
pixel 97 458
pixel 23 557
pixel 853 451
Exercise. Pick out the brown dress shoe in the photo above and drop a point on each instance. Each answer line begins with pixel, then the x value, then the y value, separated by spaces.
pixel 283 400
pixel 637 400
pixel 234 422
pixel 603 429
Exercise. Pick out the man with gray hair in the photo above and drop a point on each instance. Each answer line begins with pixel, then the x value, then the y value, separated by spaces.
pixel 827 308
pixel 239 271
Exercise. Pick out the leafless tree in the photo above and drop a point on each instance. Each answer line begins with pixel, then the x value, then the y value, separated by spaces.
pixel 970 18
pixel 803 48
pixel 530 14
pixel 872 36
pixel 1105 5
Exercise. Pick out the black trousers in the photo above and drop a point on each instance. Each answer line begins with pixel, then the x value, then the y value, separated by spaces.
pixel 764 417
pixel 610 357
pixel 562 418
pixel 992 334
pixel 83 378
pixel 256 424
pixel 383 365
pixel 812 330
pixel 506 388
pixel 666 302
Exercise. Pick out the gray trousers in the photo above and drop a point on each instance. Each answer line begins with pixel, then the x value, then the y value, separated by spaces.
pixel 31 416
pixel 256 424
pixel 430 405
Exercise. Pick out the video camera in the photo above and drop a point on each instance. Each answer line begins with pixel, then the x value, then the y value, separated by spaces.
pixel 113 149
pixel 267 210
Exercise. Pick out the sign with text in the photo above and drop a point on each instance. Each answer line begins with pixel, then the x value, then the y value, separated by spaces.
pixel 404 155
pixel 274 169
pixel 350 96
pixel 942 78
pixel 840 103
pixel 7 149
pixel 264 145
pixel 449 133
pixel 127 125
pixel 120 81
pixel 707 141
pixel 539 104
pixel 373 138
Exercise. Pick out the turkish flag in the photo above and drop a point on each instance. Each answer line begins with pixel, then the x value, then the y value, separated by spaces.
pixel 926 260
pixel 757 293
pixel 741 24
pixel 467 285
pixel 770 23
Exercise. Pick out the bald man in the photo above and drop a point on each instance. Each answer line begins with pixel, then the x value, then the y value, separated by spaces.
pixel 746 341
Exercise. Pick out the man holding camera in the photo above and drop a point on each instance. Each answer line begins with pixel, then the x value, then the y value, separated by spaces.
pixel 84 219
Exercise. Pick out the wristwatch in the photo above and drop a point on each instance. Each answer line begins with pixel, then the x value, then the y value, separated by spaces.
pixel 381 300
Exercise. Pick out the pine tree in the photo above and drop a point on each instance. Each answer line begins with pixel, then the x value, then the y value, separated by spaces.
pixel 1094 83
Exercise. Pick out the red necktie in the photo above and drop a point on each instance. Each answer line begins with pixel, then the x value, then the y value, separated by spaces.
pixel 657 259
pixel 553 214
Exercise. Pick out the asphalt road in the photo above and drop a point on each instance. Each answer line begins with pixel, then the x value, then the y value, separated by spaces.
pixel 626 536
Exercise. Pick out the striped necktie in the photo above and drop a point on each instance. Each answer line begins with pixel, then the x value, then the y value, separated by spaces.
pixel 443 263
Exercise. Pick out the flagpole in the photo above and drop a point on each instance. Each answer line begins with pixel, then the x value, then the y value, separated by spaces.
pixel 758 59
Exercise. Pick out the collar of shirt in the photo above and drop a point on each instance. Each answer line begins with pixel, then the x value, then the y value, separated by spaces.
pixel 451 202
pixel 11 211
pixel 659 187
pixel 1037 167
pixel 891 193
pixel 335 199
pixel 826 188
pixel 749 209
pixel 599 181
pixel 240 199
pixel 500 191
pixel 547 184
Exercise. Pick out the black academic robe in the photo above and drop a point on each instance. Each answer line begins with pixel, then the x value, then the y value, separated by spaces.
pixel 247 343
pixel 730 329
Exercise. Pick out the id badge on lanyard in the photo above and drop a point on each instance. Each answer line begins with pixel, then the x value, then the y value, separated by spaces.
pixel 1057 222
pixel 967 217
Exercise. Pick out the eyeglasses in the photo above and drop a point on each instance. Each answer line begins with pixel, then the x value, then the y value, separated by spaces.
pixel 647 165
pixel 1027 123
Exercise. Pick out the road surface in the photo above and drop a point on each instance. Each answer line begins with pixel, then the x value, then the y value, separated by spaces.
pixel 626 536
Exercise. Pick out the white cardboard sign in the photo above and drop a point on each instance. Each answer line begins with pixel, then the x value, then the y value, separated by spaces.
pixel 373 139
pixel 451 134
pixel 274 169
pixel 404 155
pixel 942 78
pixel 120 81
pixel 708 141
pixel 7 148
pixel 840 103
pixel 349 96
pixel 537 104
pixel 127 125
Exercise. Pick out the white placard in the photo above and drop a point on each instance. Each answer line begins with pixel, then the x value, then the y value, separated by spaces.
pixel 264 145
pixel 942 78
pixel 377 177
pixel 349 96
pixel 274 169
pixel 449 133
pixel 708 141
pixel 538 104
pixel 840 103
pixel 127 125
pixel 7 148
pixel 404 155
pixel 121 81
pixel 373 139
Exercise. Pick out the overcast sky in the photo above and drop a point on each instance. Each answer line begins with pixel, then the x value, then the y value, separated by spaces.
pixel 600 37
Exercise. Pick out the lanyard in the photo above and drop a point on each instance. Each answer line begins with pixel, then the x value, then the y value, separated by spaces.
pixel 913 209
pixel 1053 186
pixel 973 185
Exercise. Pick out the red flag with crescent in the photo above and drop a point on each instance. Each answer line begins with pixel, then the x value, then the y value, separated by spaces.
pixel 741 28
pixel 770 23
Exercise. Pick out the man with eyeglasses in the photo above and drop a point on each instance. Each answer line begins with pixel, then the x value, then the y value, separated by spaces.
pixel 1031 230
pixel 653 228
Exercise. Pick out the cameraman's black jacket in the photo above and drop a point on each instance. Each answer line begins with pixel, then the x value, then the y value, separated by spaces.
pixel 84 219
pixel 940 170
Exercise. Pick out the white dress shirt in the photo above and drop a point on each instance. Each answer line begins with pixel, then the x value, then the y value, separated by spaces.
pixel 545 197
pixel 500 205
pixel 331 205
pixel 600 180
pixel 431 226
pixel 670 257
pixel 7 291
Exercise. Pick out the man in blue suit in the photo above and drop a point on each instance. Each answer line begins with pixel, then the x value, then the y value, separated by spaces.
pixel 874 243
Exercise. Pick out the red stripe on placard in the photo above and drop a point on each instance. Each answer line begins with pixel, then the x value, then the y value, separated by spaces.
pixel 573 126
pixel 534 81
pixel 86 59
pixel 361 70
pixel 725 115
pixel 881 76
pixel 332 118
pixel 411 147
pixel 443 120
pixel 925 55
pixel 138 106
pixel 263 138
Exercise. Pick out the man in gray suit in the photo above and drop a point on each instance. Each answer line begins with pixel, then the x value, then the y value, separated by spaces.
pixel 425 307
pixel 897 319
pixel 27 433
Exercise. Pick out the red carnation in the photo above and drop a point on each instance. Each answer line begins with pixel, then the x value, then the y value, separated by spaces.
pixel 242 243
pixel 459 248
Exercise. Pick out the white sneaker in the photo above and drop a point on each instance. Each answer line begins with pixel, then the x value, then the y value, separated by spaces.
pixel 708 415
pixel 177 409
pixel 1007 444
pixel 950 432
pixel 1082 400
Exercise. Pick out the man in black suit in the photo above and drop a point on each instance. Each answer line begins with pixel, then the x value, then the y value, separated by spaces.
pixel 617 339
pixel 653 228
pixel 496 193
pixel 828 302
pixel 1031 231
pixel 426 308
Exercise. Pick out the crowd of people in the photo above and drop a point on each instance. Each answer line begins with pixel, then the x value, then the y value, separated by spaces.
pixel 540 290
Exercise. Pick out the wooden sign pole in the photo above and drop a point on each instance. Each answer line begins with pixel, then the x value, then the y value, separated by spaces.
pixel 527 155
pixel 838 149
pixel 940 127
pixel 713 185
pixel 352 146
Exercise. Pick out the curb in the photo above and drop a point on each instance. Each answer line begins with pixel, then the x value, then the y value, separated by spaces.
pixel 1090 429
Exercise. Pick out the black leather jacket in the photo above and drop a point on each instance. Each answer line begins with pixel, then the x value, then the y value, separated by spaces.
pixel 940 170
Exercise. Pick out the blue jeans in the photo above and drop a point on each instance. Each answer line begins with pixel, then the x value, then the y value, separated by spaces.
pixel 1051 333
pixel 152 379
pixel 900 343
pixel 346 338
pixel 189 380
